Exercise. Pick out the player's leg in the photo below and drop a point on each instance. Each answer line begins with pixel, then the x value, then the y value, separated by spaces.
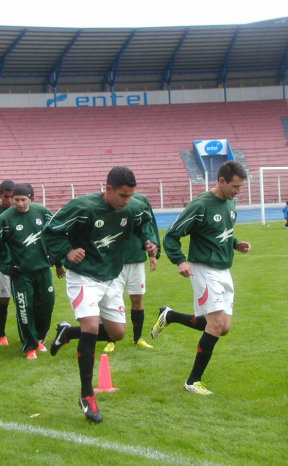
pixel 85 295
pixel 168 316
pixel 120 282
pixel 44 298
pixel 137 319
pixel 4 303
pixel 213 296
pixel 5 293
pixel 136 287
pixel 23 295
pixel 112 312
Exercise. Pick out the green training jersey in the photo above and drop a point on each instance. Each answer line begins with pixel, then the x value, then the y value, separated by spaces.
pixel 2 209
pixel 133 251
pixel 88 222
pixel 22 233
pixel 209 221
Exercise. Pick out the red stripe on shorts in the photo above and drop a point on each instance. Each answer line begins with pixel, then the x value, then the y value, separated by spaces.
pixel 202 300
pixel 78 300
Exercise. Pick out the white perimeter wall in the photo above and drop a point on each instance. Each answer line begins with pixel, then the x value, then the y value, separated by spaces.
pixel 142 98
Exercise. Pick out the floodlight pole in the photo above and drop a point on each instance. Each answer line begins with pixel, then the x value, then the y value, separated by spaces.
pixel 43 195
pixel 262 195
pixel 161 193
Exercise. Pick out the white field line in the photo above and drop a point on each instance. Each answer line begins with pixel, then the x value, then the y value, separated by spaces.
pixel 137 451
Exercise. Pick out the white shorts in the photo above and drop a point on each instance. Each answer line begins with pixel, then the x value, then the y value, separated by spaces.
pixel 90 297
pixel 132 277
pixel 213 290
pixel 5 288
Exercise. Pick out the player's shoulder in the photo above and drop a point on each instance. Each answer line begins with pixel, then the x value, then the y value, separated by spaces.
pixel 34 207
pixel 140 197
pixel 136 203
pixel 199 201
pixel 7 213
pixel 83 202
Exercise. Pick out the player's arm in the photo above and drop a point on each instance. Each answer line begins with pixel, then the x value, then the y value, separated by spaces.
pixel 5 260
pixel 58 230
pixel 144 229
pixel 186 223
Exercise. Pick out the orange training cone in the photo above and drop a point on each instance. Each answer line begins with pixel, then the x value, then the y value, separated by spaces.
pixel 105 382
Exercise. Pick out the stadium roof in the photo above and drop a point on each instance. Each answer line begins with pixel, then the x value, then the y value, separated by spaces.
pixel 93 60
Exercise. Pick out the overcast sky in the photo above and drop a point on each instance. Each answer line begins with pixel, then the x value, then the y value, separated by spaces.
pixel 128 13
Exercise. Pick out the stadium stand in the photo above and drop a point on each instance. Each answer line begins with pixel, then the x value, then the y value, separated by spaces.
pixel 60 147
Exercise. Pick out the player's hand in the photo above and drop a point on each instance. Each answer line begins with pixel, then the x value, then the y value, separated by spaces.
pixel 185 269
pixel 60 271
pixel 14 271
pixel 243 246
pixel 76 255
pixel 151 248
pixel 153 263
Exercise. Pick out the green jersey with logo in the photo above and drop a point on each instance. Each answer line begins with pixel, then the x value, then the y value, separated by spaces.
pixel 209 221
pixel 88 222
pixel 22 233
pixel 133 251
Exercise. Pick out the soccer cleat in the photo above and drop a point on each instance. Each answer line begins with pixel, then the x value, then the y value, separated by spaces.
pixel 31 354
pixel 197 387
pixel 142 343
pixel 89 406
pixel 161 322
pixel 4 341
pixel 41 347
pixel 60 338
pixel 110 347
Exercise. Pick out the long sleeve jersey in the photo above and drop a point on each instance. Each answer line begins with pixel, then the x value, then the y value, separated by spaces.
pixel 22 233
pixel 88 222
pixel 133 251
pixel 209 222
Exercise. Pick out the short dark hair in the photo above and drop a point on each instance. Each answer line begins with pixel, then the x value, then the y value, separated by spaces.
pixel 120 176
pixel 7 185
pixel 229 169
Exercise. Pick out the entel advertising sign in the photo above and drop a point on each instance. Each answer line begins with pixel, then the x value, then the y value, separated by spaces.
pixel 99 100
pixel 212 147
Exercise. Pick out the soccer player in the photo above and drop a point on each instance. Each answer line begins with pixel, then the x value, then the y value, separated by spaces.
pixel 88 233
pixel 208 220
pixel 6 196
pixel 28 266
pixel 60 270
pixel 133 278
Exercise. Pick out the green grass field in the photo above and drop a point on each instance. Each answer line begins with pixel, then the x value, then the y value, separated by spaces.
pixel 151 419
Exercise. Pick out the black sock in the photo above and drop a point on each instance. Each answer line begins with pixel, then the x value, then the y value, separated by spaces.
pixel 73 333
pixel 204 353
pixel 86 356
pixel 198 323
pixel 102 334
pixel 137 318
pixel 3 318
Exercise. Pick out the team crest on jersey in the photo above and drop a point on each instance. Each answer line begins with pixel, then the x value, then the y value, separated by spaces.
pixel 233 215
pixel 19 227
pixel 38 221
pixel 99 223
pixel 123 222
pixel 217 218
